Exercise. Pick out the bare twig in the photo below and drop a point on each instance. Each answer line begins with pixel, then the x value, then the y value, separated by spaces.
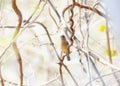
pixel 36 8
pixel 95 56
pixel 1 78
pixel 60 69
pixel 71 27
pixel 5 51
pixel 42 8
pixel 53 19
pixel 12 83
pixel 18 12
pixel 85 7
pixel 55 10
pixel 99 59
pixel 50 81
pixel 19 59
pixel 61 74
pixel 80 24
pixel 70 74
pixel 108 42
pixel 15 26
pixel 45 28
pixel 86 39
pixel 109 47
pixel 102 76
pixel 94 66
pixel 71 38
pixel 96 70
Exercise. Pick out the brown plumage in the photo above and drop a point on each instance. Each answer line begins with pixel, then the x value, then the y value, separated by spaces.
pixel 64 46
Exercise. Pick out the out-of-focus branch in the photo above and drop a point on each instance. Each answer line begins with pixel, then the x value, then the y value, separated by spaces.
pixel 36 8
pixel 70 74
pixel 50 81
pixel 1 78
pixel 96 56
pixel 60 69
pixel 71 39
pixel 108 42
pixel 89 60
pixel 55 10
pixel 97 72
pixel 86 43
pixel 61 74
pixel 5 51
pixel 53 18
pixel 99 59
pixel 11 83
pixel 109 48
pixel 85 7
pixel 102 76
pixel 15 26
pixel 45 28
pixel 42 8
pixel 18 13
pixel 19 59
pixel 71 27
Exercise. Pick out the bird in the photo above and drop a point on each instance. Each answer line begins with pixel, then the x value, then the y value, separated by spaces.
pixel 64 47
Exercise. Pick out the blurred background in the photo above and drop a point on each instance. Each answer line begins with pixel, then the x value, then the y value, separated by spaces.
pixel 93 43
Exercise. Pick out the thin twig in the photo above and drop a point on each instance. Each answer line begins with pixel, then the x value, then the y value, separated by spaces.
pixel 108 42
pixel 61 74
pixel 85 7
pixel 94 55
pixel 12 83
pixel 60 69
pixel 80 24
pixel 36 8
pixel 42 8
pixel 1 78
pixel 70 74
pixel 71 26
pixel 15 26
pixel 71 38
pixel 19 59
pixel 45 28
pixel 5 51
pixel 55 10
pixel 19 14
pixel 102 77
pixel 53 19
pixel 96 70
pixel 99 59
pixel 50 81
pixel 86 44
pixel 109 47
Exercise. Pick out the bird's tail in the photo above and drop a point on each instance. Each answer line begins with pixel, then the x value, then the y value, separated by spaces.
pixel 68 58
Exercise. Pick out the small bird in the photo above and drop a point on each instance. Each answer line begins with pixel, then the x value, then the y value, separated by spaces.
pixel 64 46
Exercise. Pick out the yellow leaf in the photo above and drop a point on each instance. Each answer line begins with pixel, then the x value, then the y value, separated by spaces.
pixel 102 28
pixel 113 52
